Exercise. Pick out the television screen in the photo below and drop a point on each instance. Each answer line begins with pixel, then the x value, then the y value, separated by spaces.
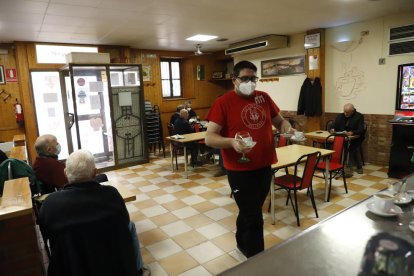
pixel 405 87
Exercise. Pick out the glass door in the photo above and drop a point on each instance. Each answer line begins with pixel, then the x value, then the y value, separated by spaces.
pixel 51 107
pixel 90 98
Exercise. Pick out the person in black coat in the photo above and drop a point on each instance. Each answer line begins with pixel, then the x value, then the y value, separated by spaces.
pixel 182 126
pixel 352 122
pixel 88 226
pixel 176 115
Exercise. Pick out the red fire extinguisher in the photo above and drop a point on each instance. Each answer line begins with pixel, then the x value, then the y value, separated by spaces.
pixel 19 113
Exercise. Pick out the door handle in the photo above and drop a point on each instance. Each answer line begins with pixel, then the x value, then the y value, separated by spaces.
pixel 71 118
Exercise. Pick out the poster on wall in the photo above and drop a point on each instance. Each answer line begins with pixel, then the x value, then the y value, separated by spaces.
pixel 313 63
pixel 283 66
pixel 11 75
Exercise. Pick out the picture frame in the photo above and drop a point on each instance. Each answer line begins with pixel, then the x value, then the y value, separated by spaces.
pixel 2 79
pixel 312 41
pixel 283 66
pixel 146 72
pixel 217 75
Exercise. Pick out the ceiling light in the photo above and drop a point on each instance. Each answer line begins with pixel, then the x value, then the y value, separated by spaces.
pixel 201 37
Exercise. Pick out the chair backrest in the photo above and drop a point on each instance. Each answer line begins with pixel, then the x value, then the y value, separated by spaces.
pixel 312 160
pixel 170 129
pixel 338 146
pixel 196 127
pixel 329 125
pixel 282 141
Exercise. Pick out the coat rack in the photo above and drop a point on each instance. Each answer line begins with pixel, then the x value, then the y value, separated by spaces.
pixel 5 96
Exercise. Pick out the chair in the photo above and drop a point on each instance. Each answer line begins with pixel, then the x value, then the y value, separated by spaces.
pixel 336 164
pixel 329 125
pixel 203 146
pixel 293 182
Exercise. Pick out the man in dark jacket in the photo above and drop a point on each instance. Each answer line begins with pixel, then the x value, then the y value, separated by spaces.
pixel 176 115
pixel 182 126
pixel 88 226
pixel 352 122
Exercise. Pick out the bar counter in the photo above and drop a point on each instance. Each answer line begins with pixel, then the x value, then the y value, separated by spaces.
pixel 334 246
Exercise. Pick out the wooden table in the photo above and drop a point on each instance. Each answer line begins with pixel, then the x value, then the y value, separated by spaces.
pixel 188 138
pixel 125 193
pixel 19 140
pixel 16 199
pixel 321 135
pixel 288 155
pixel 18 152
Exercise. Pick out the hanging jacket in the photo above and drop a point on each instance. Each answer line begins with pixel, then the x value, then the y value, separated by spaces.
pixel 310 98
pixel 19 169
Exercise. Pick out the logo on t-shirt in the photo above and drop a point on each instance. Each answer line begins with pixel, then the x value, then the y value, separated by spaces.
pixel 253 116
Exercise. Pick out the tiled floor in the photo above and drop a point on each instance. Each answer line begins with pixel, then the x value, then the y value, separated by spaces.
pixel 186 226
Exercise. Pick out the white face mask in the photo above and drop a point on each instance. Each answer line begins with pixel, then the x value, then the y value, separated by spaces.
pixel 247 88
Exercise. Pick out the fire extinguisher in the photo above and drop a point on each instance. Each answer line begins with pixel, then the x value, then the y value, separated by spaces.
pixel 19 113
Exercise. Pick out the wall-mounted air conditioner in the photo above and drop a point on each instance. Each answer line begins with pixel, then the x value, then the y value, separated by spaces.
pixel 401 40
pixel 258 44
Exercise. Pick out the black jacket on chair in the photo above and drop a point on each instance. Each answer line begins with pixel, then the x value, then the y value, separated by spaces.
pixel 87 226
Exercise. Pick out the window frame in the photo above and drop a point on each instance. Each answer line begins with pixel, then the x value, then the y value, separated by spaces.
pixel 170 79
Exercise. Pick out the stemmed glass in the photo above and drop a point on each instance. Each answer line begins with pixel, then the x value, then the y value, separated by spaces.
pixel 247 140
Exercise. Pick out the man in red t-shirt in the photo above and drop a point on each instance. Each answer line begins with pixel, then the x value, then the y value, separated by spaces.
pixel 246 109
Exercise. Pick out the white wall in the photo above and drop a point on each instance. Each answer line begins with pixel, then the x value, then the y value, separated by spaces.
pixel 354 75
pixel 374 91
pixel 284 92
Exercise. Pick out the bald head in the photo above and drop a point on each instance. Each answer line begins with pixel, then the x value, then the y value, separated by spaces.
pixel 348 109
pixel 184 114
pixel 179 107
pixel 47 145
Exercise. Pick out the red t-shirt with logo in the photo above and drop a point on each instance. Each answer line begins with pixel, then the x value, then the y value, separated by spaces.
pixel 253 114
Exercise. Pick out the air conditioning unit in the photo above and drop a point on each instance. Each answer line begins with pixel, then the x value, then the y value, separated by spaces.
pixel 401 40
pixel 258 44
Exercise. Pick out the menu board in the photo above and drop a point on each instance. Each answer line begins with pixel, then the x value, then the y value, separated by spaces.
pixel 405 89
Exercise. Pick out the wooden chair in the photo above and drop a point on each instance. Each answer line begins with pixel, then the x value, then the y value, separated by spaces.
pixel 336 164
pixel 293 182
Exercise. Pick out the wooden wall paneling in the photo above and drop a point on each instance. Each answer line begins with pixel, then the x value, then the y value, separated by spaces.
pixel 22 59
pixel 8 125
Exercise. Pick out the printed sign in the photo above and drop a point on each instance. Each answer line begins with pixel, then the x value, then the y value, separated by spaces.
pixel 11 75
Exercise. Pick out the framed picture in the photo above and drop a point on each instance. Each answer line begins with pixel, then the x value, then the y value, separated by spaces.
pixel 312 41
pixel 283 67
pixel 146 72
pixel 2 79
pixel 217 75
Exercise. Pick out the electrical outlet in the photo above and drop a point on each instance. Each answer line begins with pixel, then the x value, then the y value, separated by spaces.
pixel 381 61
pixel 364 33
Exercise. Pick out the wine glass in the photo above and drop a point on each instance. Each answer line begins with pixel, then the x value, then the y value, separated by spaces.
pixel 247 140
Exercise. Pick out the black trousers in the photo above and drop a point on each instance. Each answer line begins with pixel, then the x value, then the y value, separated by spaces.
pixel 354 154
pixel 250 189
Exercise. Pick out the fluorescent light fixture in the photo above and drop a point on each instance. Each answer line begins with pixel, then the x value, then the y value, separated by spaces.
pixel 200 37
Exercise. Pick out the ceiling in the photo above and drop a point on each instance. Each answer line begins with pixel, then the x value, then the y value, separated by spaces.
pixel 165 24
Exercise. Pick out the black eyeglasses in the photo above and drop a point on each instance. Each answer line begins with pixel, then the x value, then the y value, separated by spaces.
pixel 246 78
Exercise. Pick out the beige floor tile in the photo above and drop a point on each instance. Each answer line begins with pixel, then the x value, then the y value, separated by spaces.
pixel 271 240
pixel 178 263
pixel 153 236
pixel 164 219
pixel 226 242
pixel 210 195
pixel 204 206
pixel 333 208
pixel 174 205
pixel 220 264
pixel 189 185
pixel 198 220
pixel 183 194
pixel 145 204
pixel 359 196
pixel 229 222
pixel 147 258
pixel 189 239
pixel 215 185
pixel 156 193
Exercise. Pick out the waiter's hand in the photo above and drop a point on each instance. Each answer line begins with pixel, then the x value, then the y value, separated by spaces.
pixel 240 146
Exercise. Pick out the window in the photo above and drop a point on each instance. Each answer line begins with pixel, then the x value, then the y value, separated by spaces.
pixel 171 78
pixel 57 53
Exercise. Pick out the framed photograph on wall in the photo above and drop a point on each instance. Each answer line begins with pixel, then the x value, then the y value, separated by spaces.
pixel 283 67
pixel 2 79
pixel 146 72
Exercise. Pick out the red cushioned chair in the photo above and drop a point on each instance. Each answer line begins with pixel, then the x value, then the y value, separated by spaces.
pixel 293 182
pixel 336 164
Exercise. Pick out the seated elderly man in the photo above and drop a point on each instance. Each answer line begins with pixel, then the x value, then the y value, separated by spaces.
pixel 48 169
pixel 88 226
pixel 182 126
pixel 176 115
